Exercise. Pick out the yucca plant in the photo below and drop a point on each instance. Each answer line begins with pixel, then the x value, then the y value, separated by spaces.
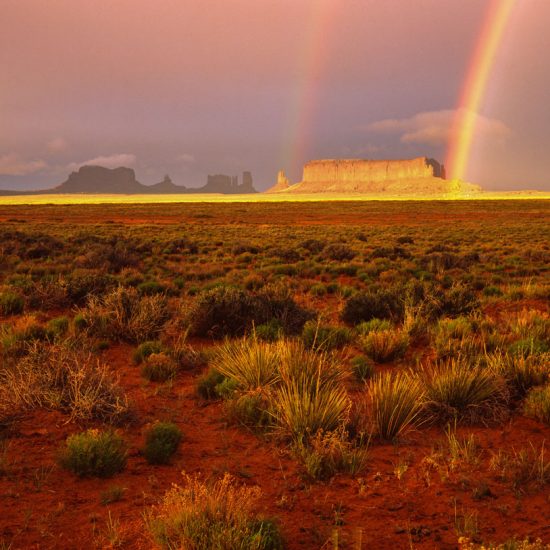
pixel 385 345
pixel 251 363
pixel 302 407
pixel 396 403
pixel 454 389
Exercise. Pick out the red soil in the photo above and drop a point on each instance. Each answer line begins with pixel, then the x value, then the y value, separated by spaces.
pixel 43 506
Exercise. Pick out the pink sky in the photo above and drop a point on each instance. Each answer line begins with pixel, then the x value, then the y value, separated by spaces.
pixel 195 87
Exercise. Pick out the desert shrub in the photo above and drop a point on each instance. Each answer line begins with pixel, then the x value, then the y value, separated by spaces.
pixel 362 368
pixel 456 336
pixel 211 517
pixel 149 288
pixel 521 373
pixel 209 384
pixel 323 337
pixel 58 326
pixel 16 338
pixel 327 453
pixel 56 377
pixel 313 245
pixel 385 345
pixel 250 408
pixel 11 303
pixel 161 442
pixel 159 367
pixel 125 315
pixel 226 311
pixel 276 302
pixel 318 289
pixel 94 454
pixel 145 349
pixel 222 311
pixel 464 543
pixel 457 390
pixel 537 404
pixel 458 300
pixel 270 331
pixel 374 303
pixel 339 252
pixel 81 284
pixel 374 325
pixel 528 346
pixel 396 402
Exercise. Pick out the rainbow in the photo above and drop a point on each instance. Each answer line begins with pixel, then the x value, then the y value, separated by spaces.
pixel 473 90
pixel 312 65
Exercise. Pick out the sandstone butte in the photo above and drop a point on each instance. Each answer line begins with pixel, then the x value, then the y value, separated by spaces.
pixel 418 176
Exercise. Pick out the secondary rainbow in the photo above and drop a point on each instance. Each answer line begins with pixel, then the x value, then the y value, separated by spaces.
pixel 311 67
pixel 473 90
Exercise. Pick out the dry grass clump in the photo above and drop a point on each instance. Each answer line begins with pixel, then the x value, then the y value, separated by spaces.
pixel 457 390
pixel 523 468
pixel 124 314
pixel 396 403
pixel 56 377
pixel 215 516
pixel 327 453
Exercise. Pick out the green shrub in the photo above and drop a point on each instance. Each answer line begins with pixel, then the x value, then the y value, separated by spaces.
pixel 362 368
pixel 161 442
pixel 339 252
pixel 58 327
pixel 374 325
pixel 327 338
pixel 11 303
pixel 270 331
pixel 209 383
pixel 146 349
pixel 226 311
pixel 458 300
pixel 94 454
pixel 386 345
pixel 212 517
pixel 148 288
pixel 371 304
pixel 537 404
pixel 159 367
pixel 396 403
pixel 529 346
pixel 251 408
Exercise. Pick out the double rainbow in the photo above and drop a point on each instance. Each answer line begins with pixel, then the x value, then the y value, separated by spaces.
pixel 313 64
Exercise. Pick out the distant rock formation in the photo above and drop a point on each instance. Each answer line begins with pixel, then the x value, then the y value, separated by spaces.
pixel 282 183
pixel 165 187
pixel 227 185
pixel 418 176
pixel 97 179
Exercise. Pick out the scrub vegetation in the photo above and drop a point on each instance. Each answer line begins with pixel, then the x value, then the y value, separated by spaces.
pixel 311 368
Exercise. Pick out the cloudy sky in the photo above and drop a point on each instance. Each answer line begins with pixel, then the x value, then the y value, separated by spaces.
pixel 192 87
